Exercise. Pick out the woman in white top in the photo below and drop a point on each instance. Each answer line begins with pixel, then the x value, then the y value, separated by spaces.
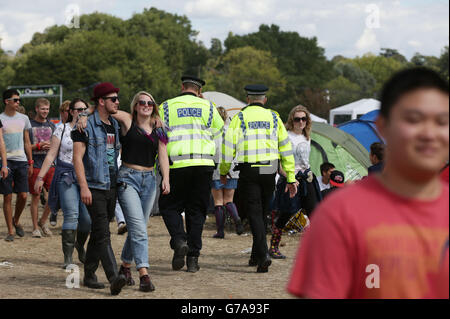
pixel 64 191
pixel 299 131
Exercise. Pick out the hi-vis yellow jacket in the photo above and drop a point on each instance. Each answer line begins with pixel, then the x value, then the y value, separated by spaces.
pixel 257 135
pixel 194 124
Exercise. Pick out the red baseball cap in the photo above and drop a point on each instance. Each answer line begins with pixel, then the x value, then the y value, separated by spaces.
pixel 102 89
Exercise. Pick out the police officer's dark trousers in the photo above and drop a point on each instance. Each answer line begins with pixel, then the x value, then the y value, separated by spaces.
pixel 190 191
pixel 256 187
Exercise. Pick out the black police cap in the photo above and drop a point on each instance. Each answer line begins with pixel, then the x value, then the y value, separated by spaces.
pixel 192 79
pixel 256 89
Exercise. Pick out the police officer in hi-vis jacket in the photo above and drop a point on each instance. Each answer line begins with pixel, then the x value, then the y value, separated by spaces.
pixel 258 139
pixel 193 124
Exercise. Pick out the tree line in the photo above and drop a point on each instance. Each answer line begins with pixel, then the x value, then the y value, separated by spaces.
pixel 151 50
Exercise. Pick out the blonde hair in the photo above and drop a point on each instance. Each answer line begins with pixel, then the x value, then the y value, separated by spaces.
pixel 42 101
pixel 290 121
pixel 155 113
pixel 64 105
pixel 223 113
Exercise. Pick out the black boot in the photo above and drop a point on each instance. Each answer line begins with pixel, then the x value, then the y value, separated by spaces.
pixel 232 210
pixel 263 264
pixel 192 264
pixel 79 245
pixel 90 266
pixel 68 242
pixel 117 281
pixel 252 262
pixel 220 222
pixel 179 253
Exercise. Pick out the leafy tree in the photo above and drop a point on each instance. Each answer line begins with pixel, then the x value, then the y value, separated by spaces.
pixel 216 49
pixel 301 62
pixel 430 62
pixel 242 66
pixel 174 33
pixel 362 78
pixel 443 63
pixel 394 54
pixel 380 67
pixel 84 58
pixel 342 91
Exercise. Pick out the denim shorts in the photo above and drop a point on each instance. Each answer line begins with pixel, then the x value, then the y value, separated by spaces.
pixel 17 180
pixel 231 184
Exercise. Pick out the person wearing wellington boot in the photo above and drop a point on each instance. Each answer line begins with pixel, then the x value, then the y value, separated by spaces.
pixel 143 140
pixel 223 194
pixel 95 152
pixel 64 191
pixel 308 196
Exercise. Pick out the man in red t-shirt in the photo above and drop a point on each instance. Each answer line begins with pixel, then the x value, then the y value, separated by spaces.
pixel 387 235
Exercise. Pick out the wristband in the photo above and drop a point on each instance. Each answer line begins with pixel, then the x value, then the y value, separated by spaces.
pixel 31 162
pixel 38 146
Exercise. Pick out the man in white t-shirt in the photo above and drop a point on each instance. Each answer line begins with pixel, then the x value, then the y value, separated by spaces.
pixel 325 170
pixel 19 160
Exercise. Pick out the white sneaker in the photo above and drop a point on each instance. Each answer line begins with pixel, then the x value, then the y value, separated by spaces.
pixel 45 230
pixel 36 234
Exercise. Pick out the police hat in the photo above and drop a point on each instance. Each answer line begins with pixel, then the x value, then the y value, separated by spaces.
pixel 193 80
pixel 256 89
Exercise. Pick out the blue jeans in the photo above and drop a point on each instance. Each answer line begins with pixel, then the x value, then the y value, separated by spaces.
pixel 119 213
pixel 137 193
pixel 75 213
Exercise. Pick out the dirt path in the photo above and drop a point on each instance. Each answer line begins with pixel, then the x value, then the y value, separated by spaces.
pixel 30 267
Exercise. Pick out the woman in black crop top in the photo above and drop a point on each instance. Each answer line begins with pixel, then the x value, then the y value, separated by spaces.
pixel 142 141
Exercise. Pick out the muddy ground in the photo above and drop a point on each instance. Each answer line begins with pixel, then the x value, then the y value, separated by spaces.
pixel 31 267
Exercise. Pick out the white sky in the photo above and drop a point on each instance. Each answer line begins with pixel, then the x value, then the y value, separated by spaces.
pixel 345 27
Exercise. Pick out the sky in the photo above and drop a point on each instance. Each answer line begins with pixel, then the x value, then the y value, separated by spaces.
pixel 342 27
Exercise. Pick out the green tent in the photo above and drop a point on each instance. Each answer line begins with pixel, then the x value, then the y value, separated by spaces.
pixel 330 144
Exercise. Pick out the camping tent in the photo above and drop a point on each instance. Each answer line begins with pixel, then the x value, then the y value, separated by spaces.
pixel 364 129
pixel 353 110
pixel 230 104
pixel 233 106
pixel 315 118
pixel 330 144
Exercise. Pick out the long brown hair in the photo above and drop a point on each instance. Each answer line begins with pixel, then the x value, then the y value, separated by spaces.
pixel 155 113
pixel 290 121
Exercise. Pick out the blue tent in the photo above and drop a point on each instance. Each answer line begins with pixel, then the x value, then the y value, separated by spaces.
pixel 363 129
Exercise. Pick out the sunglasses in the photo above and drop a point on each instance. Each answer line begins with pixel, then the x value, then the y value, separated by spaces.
pixel 82 109
pixel 298 119
pixel 149 103
pixel 112 98
pixel 14 99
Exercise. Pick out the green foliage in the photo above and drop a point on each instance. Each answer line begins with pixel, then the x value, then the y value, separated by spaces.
pixel 302 63
pixel 342 91
pixel 443 63
pixel 380 67
pixel 242 66
pixel 151 50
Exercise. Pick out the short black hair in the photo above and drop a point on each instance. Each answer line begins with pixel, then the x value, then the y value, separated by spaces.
pixel 325 167
pixel 9 93
pixel 406 81
pixel 377 149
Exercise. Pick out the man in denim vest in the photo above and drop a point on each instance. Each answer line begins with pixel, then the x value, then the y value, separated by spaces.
pixel 95 154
